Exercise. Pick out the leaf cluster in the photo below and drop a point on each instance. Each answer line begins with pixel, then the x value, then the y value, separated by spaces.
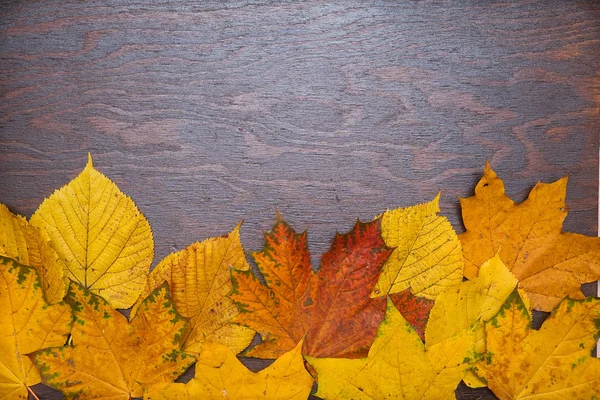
pixel 388 313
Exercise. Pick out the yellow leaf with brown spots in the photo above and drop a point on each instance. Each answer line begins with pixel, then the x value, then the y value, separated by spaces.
pixel 25 243
pixel 98 232
pixel 552 363
pixel 110 357
pixel 549 264
pixel 27 324
pixel 220 375
pixel 200 280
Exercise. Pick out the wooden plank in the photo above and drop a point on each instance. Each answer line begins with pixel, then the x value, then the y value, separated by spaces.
pixel 210 113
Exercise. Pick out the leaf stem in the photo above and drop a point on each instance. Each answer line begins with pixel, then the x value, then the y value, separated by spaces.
pixel 32 393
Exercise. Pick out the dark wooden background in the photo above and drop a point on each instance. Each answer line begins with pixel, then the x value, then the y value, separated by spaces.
pixel 208 112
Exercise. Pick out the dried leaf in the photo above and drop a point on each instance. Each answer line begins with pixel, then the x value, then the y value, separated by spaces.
pixel 548 263
pixel 427 256
pixel 199 278
pixel 471 302
pixel 552 363
pixel 112 358
pixel 397 366
pixel 27 324
pixel 331 309
pixel 220 375
pixel 98 232
pixel 414 309
pixel 24 243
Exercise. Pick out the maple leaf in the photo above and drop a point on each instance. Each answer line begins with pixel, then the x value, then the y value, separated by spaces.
pixel 220 375
pixel 199 278
pixel 110 357
pixel 471 302
pixel 427 256
pixel 331 309
pixel 548 263
pixel 554 362
pixel 98 232
pixel 27 324
pixel 397 366
pixel 24 243
pixel 414 309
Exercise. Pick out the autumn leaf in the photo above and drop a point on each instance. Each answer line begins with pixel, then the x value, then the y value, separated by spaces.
pixel 110 357
pixel 199 278
pixel 98 232
pixel 27 324
pixel 220 375
pixel 471 302
pixel 414 309
pixel 24 243
pixel 331 309
pixel 554 362
pixel 398 366
pixel 427 256
pixel 548 263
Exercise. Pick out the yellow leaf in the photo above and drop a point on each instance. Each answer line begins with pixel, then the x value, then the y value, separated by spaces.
pixel 27 324
pixel 552 363
pixel 104 241
pixel 548 263
pixel 112 358
pixel 220 375
pixel 472 302
pixel 398 366
pixel 199 278
pixel 427 257
pixel 24 243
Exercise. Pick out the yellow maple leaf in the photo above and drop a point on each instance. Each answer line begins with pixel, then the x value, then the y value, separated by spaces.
pixel 27 324
pixel 24 243
pixel 199 278
pixel 398 366
pixel 220 375
pixel 548 263
pixel 552 363
pixel 427 257
pixel 471 302
pixel 110 357
pixel 98 232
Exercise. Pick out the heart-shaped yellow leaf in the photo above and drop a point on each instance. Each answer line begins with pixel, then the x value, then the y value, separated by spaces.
pixel 103 239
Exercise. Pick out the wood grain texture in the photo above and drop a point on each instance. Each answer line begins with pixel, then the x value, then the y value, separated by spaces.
pixel 208 113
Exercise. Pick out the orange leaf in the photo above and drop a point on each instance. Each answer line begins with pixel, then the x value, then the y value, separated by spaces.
pixel 549 264
pixel 331 309
pixel 111 357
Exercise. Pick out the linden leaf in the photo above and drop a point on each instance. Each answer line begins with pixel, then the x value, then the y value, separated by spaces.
pixel 220 375
pixel 331 309
pixel 398 366
pixel 552 363
pixel 472 302
pixel 414 309
pixel 24 243
pixel 548 263
pixel 427 256
pixel 110 357
pixel 104 241
pixel 199 278
pixel 27 324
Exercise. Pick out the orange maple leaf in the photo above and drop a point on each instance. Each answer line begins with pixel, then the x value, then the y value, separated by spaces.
pixel 331 309
pixel 549 264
